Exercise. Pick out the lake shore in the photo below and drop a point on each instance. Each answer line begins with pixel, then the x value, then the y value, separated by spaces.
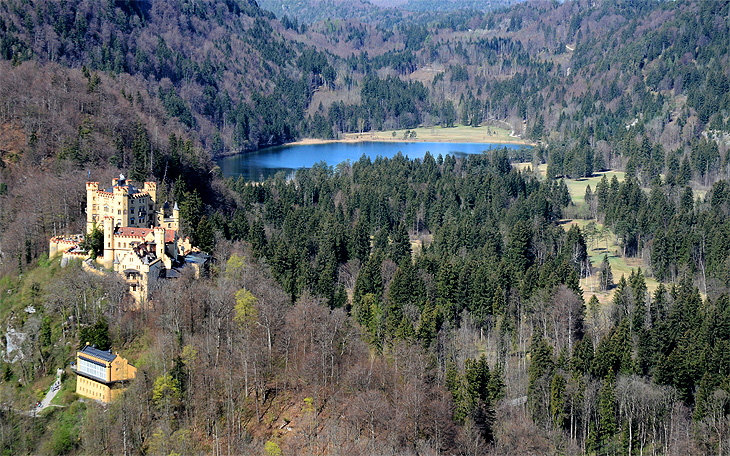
pixel 459 134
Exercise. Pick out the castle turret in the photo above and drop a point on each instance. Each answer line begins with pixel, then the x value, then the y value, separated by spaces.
pixel 160 242
pixel 108 260
pixel 176 217
pixel 92 188
pixel 151 188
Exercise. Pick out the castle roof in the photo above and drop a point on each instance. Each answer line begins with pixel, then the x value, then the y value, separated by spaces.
pixel 146 252
pixel 169 236
pixel 129 231
pixel 131 189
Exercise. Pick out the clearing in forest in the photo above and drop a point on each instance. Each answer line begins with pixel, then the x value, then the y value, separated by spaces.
pixel 577 187
pixel 600 240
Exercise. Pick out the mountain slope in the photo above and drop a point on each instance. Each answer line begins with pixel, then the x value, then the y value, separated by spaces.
pixel 374 12
pixel 220 68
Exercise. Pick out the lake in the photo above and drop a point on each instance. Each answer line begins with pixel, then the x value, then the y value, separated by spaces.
pixel 267 162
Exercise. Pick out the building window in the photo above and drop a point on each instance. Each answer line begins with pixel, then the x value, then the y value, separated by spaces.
pixel 131 221
pixel 92 369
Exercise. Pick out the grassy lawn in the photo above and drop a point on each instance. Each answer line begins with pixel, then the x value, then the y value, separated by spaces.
pixel 599 246
pixel 524 166
pixel 460 133
pixel 577 187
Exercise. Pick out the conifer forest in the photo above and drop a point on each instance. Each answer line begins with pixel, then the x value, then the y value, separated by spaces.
pixel 566 295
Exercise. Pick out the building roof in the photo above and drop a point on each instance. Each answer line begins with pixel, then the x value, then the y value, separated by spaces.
pixel 132 232
pixel 169 236
pixel 95 352
pixel 196 258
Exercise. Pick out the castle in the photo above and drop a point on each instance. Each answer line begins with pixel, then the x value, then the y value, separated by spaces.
pixel 141 239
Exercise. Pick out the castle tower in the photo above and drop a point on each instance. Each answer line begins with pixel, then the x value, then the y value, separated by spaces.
pixel 120 202
pixel 161 247
pixel 176 217
pixel 159 242
pixel 92 205
pixel 151 188
pixel 108 260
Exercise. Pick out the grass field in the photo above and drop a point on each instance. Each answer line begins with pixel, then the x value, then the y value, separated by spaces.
pixel 577 187
pixel 605 243
pixel 485 134
pixel 524 166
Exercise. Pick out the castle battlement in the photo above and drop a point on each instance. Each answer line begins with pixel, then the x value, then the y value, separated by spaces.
pixel 127 205
pixel 141 240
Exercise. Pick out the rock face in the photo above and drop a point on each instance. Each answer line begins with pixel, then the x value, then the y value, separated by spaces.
pixel 13 343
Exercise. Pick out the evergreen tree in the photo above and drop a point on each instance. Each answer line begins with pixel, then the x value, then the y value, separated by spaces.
pixel 204 237
pixel 400 246
pixel 360 242
pixel 96 335
pixel 557 401
pixel 94 242
pixel 605 275
pixel 540 373
pixel 607 413
pixel 140 154
pixel 429 326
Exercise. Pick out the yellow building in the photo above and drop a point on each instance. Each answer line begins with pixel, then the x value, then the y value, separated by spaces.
pixel 101 375
pixel 141 239
pixel 128 206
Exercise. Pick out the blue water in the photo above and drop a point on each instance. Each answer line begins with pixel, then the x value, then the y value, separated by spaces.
pixel 266 162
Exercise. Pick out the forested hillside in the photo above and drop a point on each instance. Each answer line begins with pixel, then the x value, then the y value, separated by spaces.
pixel 377 11
pixel 590 79
pixel 224 70
pixel 521 301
